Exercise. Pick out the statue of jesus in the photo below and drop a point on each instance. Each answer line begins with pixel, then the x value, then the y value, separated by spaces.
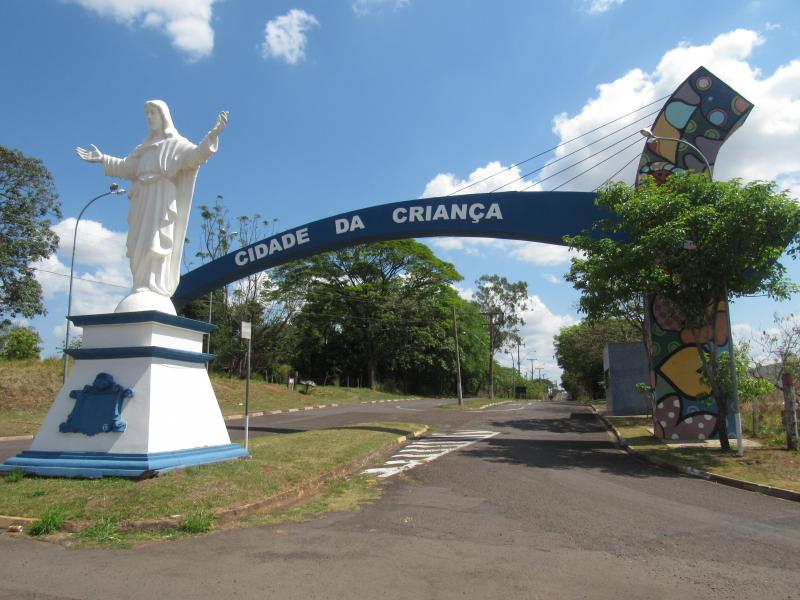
pixel 162 170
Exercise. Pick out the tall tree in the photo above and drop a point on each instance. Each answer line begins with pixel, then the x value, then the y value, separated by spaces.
pixel 502 302
pixel 247 300
pixel 579 353
pixel 28 200
pixel 697 242
pixel 19 343
pixel 368 307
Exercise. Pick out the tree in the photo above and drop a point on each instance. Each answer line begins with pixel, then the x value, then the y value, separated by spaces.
pixel 781 349
pixel 502 302
pixel 372 308
pixel 20 343
pixel 249 299
pixel 696 242
pixel 579 353
pixel 27 201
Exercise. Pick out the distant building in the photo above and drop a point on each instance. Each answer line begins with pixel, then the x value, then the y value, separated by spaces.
pixel 625 365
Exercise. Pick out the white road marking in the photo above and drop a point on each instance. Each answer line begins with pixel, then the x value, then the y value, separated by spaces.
pixel 428 449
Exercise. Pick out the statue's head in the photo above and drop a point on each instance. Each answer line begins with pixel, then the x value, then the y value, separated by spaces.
pixel 159 120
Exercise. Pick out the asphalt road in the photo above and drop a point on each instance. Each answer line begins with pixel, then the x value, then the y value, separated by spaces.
pixel 548 508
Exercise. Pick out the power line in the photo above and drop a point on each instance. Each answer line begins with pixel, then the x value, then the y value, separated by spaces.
pixel 124 287
pixel 543 152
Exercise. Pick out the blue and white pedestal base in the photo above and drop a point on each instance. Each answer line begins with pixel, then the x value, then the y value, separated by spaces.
pixel 138 401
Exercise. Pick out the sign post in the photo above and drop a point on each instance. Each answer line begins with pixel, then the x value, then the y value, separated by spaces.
pixel 246 335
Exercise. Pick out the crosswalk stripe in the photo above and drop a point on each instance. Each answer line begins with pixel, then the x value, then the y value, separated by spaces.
pixel 428 449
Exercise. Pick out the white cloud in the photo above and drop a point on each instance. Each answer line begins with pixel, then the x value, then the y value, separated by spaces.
pixel 482 180
pixel 596 7
pixel 472 246
pixel 550 278
pixel 770 26
pixel 285 36
pixel 97 245
pixel 363 8
pixel 466 293
pixel 529 252
pixel 541 324
pixel 102 275
pixel 186 22
pixel 540 254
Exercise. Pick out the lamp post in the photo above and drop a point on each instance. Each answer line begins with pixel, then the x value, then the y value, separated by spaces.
pixel 651 136
pixel 114 189
pixel 647 133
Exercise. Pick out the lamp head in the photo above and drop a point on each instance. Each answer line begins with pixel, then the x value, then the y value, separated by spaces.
pixel 647 133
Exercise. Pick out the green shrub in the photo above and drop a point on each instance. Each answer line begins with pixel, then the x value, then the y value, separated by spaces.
pixel 198 522
pixel 15 476
pixel 52 520
pixel 103 532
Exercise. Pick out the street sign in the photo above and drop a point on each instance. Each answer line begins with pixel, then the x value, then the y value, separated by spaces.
pixel 246 330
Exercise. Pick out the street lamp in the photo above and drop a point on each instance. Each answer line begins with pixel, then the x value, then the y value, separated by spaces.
pixel 114 189
pixel 653 137
pixel 689 245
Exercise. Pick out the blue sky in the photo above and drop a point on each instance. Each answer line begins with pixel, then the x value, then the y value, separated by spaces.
pixel 338 105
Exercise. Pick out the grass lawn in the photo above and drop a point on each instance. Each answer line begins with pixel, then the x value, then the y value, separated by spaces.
pixel 28 388
pixel 278 463
pixel 766 466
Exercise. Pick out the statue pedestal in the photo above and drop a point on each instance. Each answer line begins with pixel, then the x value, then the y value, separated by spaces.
pixel 137 401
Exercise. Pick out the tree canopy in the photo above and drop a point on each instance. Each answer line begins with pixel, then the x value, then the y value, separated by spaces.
pixel 579 353
pixel 28 200
pixel 380 308
pixel 690 239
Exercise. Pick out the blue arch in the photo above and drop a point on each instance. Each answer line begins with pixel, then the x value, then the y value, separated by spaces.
pixel 531 216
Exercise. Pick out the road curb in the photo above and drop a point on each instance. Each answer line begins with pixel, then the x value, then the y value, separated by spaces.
pixel 282 500
pixel 315 407
pixel 767 490
pixel 15 438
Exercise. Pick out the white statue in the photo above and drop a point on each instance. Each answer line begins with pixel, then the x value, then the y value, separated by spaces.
pixel 162 171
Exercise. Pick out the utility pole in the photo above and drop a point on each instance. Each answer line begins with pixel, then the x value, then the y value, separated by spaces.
pixel 491 315
pixel 458 360
pixel 519 371
pixel 533 360
pixel 246 334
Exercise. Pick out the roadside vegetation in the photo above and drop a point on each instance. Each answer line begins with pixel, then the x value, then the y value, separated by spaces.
pixel 191 500
pixel 774 467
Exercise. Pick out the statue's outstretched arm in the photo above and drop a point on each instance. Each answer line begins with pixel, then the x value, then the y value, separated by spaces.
pixel 94 155
pixel 221 124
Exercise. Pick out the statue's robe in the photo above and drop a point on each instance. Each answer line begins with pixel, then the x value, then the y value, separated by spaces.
pixel 162 176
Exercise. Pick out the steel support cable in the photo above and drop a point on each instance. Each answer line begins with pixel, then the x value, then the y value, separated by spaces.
pixel 620 170
pixel 633 143
pixel 575 164
pixel 556 147
pixel 560 158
